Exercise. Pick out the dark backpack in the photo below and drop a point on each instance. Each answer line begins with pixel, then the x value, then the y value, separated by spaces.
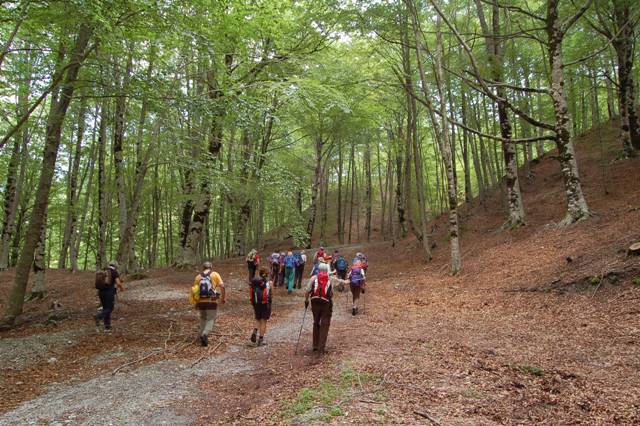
pixel 260 292
pixel 341 264
pixel 205 286
pixel 356 275
pixel 104 279
pixel 322 287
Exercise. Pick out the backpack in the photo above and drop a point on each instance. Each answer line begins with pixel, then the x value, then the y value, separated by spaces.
pixel 260 292
pixel 322 287
pixel 275 258
pixel 205 287
pixel 297 257
pixel 251 256
pixel 341 264
pixel 356 275
pixel 104 279
pixel 289 262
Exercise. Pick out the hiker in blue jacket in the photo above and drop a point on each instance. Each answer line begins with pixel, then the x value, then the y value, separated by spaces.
pixel 289 270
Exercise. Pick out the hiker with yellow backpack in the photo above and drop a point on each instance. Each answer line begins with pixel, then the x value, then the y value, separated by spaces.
pixel 207 291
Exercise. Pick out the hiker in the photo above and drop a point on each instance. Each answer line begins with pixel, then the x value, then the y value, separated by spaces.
pixel 364 262
pixel 260 296
pixel 318 255
pixel 281 268
pixel 253 261
pixel 340 265
pixel 274 259
pixel 301 259
pixel 108 283
pixel 289 270
pixel 320 291
pixel 210 289
pixel 357 284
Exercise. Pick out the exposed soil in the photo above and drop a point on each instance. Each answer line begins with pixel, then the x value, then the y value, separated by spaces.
pixel 541 327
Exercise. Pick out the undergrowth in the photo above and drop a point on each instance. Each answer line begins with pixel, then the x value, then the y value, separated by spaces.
pixel 329 395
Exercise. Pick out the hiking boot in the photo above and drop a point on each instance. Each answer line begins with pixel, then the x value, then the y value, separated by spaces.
pixel 353 311
pixel 204 340
pixel 261 341
pixel 253 335
pixel 108 329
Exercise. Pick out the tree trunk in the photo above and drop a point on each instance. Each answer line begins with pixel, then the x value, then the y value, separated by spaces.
pixel 39 287
pixel 576 203
pixel 367 190
pixel 10 204
pixel 494 50
pixel 103 212
pixel 317 176
pixel 339 207
pixel 73 192
pixel 52 142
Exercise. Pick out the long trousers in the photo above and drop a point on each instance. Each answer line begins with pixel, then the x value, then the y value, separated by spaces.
pixel 207 321
pixel 322 312
pixel 299 274
pixel 107 300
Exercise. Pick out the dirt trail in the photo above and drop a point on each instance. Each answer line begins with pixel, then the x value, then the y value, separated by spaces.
pixel 154 393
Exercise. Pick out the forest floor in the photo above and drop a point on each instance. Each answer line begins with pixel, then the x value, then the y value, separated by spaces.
pixel 541 327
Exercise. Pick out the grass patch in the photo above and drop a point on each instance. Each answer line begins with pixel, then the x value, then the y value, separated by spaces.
pixel 324 401
pixel 594 281
pixel 636 281
pixel 473 393
pixel 529 369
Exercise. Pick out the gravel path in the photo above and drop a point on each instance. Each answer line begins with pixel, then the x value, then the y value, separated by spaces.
pixel 150 394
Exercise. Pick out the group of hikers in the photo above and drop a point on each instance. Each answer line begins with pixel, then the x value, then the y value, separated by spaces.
pixel 329 272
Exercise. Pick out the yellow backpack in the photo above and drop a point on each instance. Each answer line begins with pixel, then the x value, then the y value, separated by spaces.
pixel 194 294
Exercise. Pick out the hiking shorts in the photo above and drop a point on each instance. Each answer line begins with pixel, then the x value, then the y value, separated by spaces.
pixel 262 311
pixel 356 289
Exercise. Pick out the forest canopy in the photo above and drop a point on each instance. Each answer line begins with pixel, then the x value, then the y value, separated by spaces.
pixel 161 133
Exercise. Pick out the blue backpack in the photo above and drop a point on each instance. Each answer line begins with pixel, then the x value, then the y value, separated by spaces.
pixel 356 275
pixel 341 264
pixel 289 262
pixel 297 257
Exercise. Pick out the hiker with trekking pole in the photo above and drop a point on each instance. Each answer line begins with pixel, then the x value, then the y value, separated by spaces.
pixel 320 292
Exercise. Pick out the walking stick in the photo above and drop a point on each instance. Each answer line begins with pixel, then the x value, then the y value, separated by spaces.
pixel 300 333
pixel 364 301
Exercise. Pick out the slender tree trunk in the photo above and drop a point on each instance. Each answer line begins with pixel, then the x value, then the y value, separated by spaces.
pixel 367 190
pixel 577 208
pixel 76 236
pixel 72 193
pixel 317 176
pixel 103 210
pixel 52 142
pixel 39 287
pixel 339 207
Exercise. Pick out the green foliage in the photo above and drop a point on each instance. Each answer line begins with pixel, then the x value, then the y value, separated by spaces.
pixel 529 369
pixel 636 281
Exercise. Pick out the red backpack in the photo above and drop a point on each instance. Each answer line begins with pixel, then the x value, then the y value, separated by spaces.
pixel 322 287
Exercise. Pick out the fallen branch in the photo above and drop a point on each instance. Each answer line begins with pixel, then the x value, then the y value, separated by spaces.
pixel 207 354
pixel 154 352
pixel 428 417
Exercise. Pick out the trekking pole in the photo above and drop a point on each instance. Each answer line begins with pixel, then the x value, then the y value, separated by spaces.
pixel 300 333
pixel 364 302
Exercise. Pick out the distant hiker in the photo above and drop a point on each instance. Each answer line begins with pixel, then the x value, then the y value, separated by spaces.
pixel 364 262
pixel 318 255
pixel 301 259
pixel 107 283
pixel 357 284
pixel 274 260
pixel 209 289
pixel 281 263
pixel 289 270
pixel 320 291
pixel 253 260
pixel 340 265
pixel 260 296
